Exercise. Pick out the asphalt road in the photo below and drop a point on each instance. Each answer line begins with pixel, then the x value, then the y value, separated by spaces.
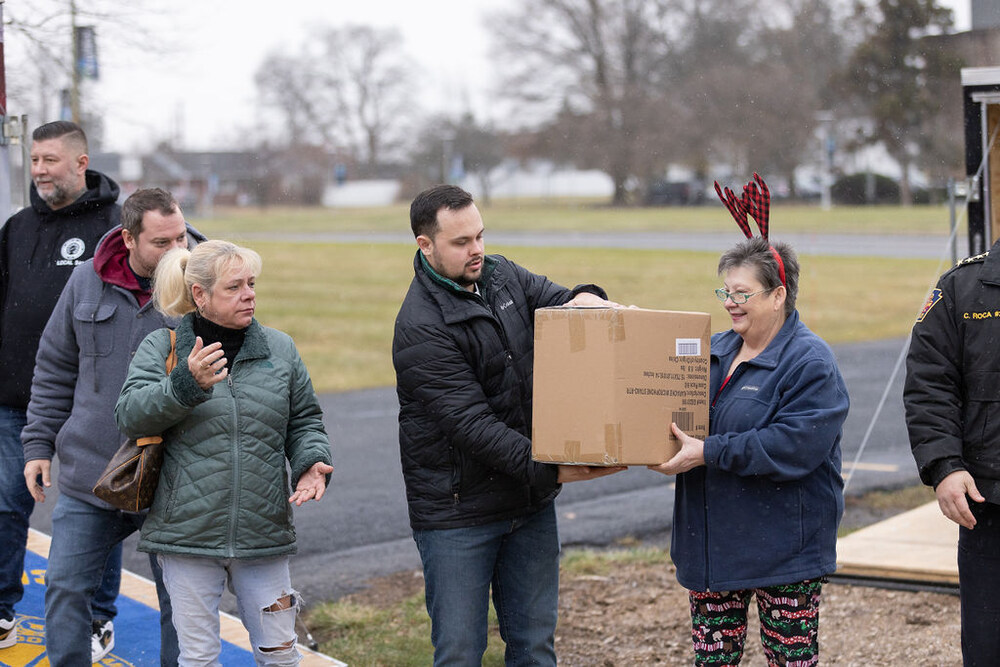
pixel 360 528
pixel 871 245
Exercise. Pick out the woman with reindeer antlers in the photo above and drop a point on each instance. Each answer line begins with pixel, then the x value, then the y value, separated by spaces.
pixel 759 500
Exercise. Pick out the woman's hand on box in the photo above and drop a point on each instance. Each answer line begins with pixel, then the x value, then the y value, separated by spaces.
pixel 691 454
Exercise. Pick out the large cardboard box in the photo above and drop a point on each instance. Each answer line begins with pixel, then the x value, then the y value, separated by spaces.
pixel 608 382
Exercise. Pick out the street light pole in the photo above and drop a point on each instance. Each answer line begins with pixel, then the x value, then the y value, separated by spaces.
pixel 826 120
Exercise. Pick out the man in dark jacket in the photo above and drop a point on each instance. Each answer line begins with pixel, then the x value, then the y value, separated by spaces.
pixel 72 207
pixel 481 510
pixel 952 401
pixel 103 314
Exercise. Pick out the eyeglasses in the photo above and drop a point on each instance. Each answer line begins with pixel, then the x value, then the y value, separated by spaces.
pixel 738 297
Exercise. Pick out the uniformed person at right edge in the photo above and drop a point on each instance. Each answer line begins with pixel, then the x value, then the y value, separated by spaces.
pixel 952 401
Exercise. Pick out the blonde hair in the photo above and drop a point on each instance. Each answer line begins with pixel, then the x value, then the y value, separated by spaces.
pixel 180 269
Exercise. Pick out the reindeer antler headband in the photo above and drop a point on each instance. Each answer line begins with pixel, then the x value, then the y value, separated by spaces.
pixel 755 202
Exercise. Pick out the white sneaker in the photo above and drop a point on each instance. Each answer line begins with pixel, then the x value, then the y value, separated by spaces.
pixel 102 640
pixel 8 632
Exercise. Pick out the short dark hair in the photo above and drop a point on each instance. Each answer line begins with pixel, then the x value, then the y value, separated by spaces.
pixel 140 201
pixel 425 207
pixel 61 129
pixel 756 253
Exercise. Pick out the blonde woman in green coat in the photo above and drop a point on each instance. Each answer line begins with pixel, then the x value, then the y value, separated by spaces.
pixel 231 416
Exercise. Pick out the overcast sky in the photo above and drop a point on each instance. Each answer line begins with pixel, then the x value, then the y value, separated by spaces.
pixel 195 82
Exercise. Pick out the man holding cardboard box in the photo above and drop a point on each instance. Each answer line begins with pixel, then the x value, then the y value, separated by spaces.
pixel 481 510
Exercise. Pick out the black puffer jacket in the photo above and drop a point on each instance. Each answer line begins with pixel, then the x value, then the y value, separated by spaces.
pixel 952 390
pixel 463 375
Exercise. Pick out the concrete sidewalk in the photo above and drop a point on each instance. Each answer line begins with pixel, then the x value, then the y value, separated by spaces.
pixel 916 547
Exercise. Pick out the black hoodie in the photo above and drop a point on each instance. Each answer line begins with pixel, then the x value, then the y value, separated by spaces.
pixel 38 249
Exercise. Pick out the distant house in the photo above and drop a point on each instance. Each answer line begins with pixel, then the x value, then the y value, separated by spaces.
pixel 199 180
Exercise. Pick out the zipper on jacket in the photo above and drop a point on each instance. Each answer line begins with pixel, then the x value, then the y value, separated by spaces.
pixel 456 475
pixel 235 453
pixel 708 561
pixel 704 492
pixel 509 357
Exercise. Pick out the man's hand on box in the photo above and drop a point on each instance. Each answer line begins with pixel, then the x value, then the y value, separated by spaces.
pixel 588 300
pixel 581 473
pixel 691 455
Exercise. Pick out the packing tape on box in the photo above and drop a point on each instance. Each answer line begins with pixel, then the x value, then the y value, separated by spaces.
pixel 540 317
pixel 612 443
pixel 577 332
pixel 571 450
pixel 577 321
pixel 616 327
pixel 573 453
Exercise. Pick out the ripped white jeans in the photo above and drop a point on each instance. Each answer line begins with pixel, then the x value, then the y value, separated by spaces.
pixel 268 606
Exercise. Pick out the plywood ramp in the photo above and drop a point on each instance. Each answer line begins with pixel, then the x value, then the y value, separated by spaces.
pixel 918 546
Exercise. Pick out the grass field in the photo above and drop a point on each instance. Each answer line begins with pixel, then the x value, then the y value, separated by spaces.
pixel 589 216
pixel 339 300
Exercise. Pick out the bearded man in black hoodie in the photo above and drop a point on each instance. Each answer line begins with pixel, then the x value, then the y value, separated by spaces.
pixel 71 209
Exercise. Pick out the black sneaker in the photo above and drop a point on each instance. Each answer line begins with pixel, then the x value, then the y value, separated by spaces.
pixel 102 640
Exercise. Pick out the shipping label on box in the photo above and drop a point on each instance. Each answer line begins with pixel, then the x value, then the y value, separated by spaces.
pixel 608 382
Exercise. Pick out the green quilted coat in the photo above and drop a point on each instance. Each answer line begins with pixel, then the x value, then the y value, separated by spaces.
pixel 223 490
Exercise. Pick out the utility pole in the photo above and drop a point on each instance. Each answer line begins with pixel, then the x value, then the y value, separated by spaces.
pixel 74 93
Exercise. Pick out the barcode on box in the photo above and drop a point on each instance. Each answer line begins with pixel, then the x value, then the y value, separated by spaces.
pixel 684 420
pixel 688 347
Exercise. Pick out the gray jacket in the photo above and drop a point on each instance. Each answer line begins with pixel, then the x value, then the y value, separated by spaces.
pixel 82 361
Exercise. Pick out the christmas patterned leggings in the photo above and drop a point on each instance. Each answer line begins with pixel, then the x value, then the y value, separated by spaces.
pixel 789 624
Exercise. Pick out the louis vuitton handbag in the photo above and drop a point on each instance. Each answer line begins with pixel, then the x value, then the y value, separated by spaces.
pixel 130 478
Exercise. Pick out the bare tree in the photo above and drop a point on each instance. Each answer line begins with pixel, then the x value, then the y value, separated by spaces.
pixel 288 87
pixel 40 55
pixel 798 61
pixel 347 86
pixel 633 86
pixel 596 68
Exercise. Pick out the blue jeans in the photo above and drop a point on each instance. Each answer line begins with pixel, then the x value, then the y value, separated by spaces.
pixel 83 536
pixel 15 509
pixel 16 505
pixel 259 584
pixel 104 606
pixel 979 586
pixel 519 559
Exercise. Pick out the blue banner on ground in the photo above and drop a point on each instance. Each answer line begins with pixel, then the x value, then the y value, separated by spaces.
pixel 137 629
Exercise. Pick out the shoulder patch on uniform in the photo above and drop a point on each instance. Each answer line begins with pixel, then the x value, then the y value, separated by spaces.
pixel 975 258
pixel 932 299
